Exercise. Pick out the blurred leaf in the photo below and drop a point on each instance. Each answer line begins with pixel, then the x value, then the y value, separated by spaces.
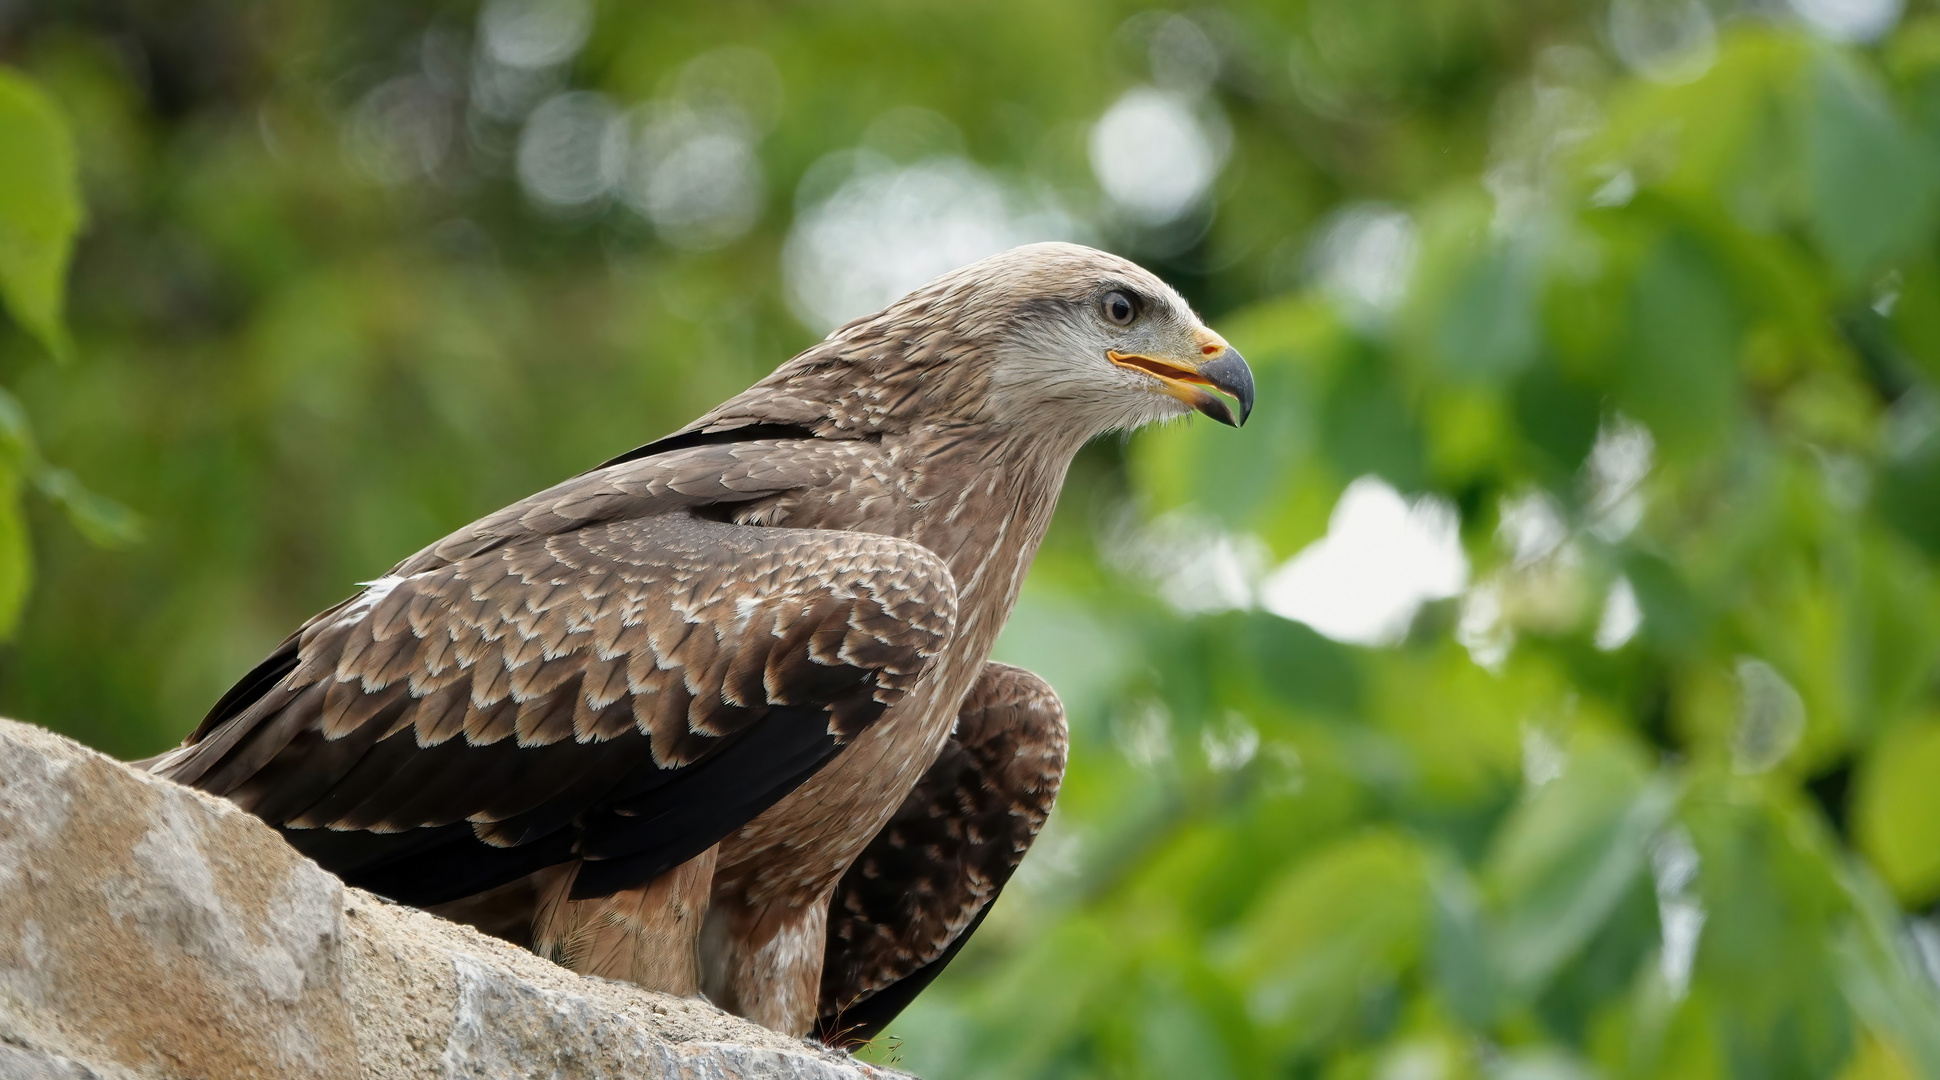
pixel 1896 810
pixel 1721 140
pixel 1627 948
pixel 1475 303
pixel 1558 416
pixel 1336 927
pixel 1658 1034
pixel 1299 666
pixel 1766 954
pixel 1898 1002
pixel 1487 329
pixel 1873 186
pixel 16 437
pixel 1915 314
pixel 1878 1059
pixel 1567 855
pixel 16 552
pixel 1039 1002
pixel 1367 427
pixel 1677 370
pixel 1464 964
pixel 1188 1020
pixel 1460 724
pixel 1545 1063
pixel 40 209
pixel 102 520
pixel 1176 1039
pixel 1908 495
pixel 17 457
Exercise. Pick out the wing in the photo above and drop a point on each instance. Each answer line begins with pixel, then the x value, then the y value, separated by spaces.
pixel 564 681
pixel 925 882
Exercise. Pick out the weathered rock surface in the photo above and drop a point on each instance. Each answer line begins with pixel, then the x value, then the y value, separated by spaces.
pixel 148 930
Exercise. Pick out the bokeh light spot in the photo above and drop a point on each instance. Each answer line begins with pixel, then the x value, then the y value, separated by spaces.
pixel 1154 155
pixel 884 230
pixel 1383 557
pixel 572 151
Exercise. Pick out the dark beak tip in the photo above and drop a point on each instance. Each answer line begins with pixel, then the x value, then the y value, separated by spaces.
pixel 1230 374
pixel 1218 410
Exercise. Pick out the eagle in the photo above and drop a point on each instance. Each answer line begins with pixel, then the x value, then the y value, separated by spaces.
pixel 718 716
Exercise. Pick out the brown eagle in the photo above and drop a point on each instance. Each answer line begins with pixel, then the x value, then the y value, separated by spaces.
pixel 717 716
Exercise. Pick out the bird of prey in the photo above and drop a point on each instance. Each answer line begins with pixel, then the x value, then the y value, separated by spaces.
pixel 717 716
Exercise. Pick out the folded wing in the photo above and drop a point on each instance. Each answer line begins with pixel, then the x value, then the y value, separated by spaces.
pixel 922 886
pixel 605 672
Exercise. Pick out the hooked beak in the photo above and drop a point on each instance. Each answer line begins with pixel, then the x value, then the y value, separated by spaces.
pixel 1218 365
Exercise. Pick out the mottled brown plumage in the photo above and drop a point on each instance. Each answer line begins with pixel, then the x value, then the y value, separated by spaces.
pixel 655 712
pixel 920 888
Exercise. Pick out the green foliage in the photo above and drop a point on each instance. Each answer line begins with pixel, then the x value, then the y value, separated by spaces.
pixel 16 556
pixel 40 209
pixel 1662 335
pixel 1897 809
pixel 40 214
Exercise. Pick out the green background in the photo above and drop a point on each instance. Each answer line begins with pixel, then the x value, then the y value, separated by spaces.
pixel 1658 319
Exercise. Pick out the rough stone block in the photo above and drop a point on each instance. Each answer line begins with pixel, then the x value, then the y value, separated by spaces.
pixel 148 930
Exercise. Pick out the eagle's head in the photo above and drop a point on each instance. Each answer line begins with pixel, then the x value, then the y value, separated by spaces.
pixel 1078 340
pixel 1054 341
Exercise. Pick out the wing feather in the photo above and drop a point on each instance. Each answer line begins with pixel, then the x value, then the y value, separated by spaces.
pixel 922 886
pixel 626 692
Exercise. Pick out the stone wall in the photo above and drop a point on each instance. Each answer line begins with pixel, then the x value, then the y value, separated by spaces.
pixel 148 930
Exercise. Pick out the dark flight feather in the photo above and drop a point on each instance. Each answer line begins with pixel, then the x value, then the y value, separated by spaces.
pixel 922 886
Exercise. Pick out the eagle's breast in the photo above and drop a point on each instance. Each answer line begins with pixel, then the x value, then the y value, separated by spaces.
pixel 982 500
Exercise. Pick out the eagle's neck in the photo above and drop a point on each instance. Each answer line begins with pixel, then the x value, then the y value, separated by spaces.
pixel 983 500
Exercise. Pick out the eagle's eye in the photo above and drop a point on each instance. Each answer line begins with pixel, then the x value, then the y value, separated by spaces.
pixel 1119 308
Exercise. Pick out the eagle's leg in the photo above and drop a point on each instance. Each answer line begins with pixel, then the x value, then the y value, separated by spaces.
pixel 649 936
pixel 765 963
